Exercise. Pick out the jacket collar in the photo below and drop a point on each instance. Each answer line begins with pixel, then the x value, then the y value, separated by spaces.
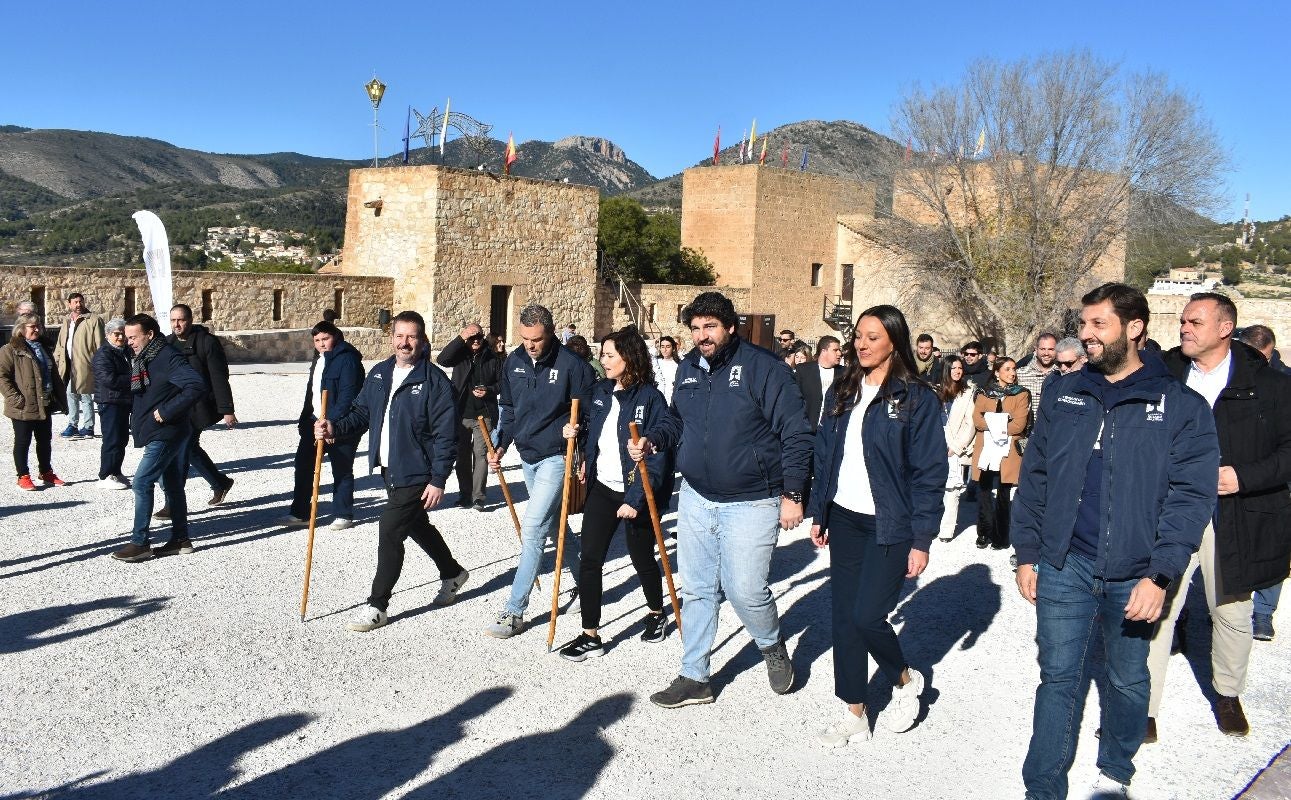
pixel 720 359
pixel 1144 384
pixel 1246 361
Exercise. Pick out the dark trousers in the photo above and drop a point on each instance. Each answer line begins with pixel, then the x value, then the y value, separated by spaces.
pixel 472 462
pixel 23 432
pixel 115 421
pixel 599 525
pixel 200 461
pixel 865 582
pixel 341 454
pixel 405 517
pixel 993 502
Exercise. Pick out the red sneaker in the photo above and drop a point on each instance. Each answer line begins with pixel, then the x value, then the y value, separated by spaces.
pixel 52 479
pixel 24 483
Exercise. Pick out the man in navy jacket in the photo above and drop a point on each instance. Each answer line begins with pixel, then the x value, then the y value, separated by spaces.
pixel 406 405
pixel 1117 484
pixel 744 448
pixel 540 379
pixel 164 389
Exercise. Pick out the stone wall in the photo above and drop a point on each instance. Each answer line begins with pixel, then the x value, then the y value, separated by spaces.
pixel 235 300
pixel 451 236
pixel 275 347
pixel 668 300
pixel 1166 308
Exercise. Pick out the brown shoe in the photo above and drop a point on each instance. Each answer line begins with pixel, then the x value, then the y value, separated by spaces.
pixel 162 513
pixel 174 547
pixel 1232 720
pixel 132 553
pixel 1151 736
pixel 221 493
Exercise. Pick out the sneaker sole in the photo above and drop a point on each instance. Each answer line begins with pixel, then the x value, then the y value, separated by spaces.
pixel 830 742
pixel 500 635
pixel 690 701
pixel 134 559
pixel 358 627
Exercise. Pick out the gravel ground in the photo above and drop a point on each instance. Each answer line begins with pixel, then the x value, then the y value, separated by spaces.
pixel 192 676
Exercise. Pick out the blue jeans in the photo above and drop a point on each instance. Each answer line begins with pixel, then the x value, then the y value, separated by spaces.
pixel 1265 601
pixel 1070 602
pixel 342 458
pixel 544 480
pixel 80 410
pixel 163 461
pixel 724 548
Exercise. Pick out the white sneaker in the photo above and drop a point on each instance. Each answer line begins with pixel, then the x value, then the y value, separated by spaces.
pixel 1106 788
pixel 448 589
pixel 369 618
pixel 292 521
pixel 113 483
pixel 846 729
pixel 506 626
pixel 341 523
pixel 901 713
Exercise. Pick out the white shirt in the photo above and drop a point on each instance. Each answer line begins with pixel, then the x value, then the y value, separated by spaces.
pixel 1210 384
pixel 826 381
pixel 665 375
pixel 609 464
pixel 316 385
pixel 854 493
pixel 397 378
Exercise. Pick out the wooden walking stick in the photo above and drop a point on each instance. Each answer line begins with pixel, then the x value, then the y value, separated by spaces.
pixel 564 520
pixel 658 532
pixel 313 504
pixel 506 491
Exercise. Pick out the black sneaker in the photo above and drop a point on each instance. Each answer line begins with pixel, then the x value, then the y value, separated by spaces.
pixel 478 505
pixel 656 628
pixel 133 553
pixel 683 692
pixel 779 668
pixel 582 647
pixel 176 546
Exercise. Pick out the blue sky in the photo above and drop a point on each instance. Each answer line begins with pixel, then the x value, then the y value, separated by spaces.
pixel 656 78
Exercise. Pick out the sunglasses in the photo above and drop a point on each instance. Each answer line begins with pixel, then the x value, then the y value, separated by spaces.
pixel 1066 364
pixel 972 353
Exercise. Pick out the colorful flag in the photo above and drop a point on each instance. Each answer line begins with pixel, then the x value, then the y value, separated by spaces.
pixel 717 146
pixel 407 122
pixel 784 156
pixel 763 158
pixel 909 149
pixel 981 143
pixel 753 138
pixel 511 153
pixel 803 165
pixel 443 132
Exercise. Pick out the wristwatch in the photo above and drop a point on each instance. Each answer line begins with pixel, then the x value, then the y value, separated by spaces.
pixel 1160 580
pixel 793 497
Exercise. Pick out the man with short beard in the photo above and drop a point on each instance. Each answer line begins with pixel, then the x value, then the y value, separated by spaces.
pixel 924 358
pixel 406 404
pixel 1142 449
pixel 1040 366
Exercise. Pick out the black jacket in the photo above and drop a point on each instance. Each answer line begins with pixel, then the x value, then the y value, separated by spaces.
pixel 423 428
pixel 1253 420
pixel 111 375
pixel 813 393
pixel 205 354
pixel 535 400
pixel 644 405
pixel 342 379
pixel 457 355
pixel 739 425
pixel 173 391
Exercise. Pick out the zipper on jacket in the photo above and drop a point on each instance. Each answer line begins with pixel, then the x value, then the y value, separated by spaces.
pixel 1107 467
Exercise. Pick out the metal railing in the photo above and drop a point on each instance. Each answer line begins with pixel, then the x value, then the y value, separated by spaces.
pixel 637 312
pixel 836 311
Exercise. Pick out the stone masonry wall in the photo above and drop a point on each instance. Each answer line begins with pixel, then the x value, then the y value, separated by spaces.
pixel 717 217
pixel 237 301
pixel 448 236
pixel 1166 308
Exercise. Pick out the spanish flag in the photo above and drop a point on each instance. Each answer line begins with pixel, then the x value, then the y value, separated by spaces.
pixel 510 157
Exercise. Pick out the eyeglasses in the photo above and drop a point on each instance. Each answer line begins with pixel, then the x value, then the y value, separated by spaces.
pixel 1066 365
pixel 972 353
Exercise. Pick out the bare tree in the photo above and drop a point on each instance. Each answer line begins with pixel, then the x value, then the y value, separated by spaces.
pixel 1022 180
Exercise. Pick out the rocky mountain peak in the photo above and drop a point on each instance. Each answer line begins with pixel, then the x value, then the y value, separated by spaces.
pixel 594 144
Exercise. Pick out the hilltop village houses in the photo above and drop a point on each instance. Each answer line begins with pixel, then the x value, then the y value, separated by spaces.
pixel 790 248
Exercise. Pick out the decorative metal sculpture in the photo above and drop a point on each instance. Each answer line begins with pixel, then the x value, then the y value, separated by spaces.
pixel 474 132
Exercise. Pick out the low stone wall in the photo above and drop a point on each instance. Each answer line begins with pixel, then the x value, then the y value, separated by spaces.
pixel 276 347
pixel 223 301
pixel 1165 308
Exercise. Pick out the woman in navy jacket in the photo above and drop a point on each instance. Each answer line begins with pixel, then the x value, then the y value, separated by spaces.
pixel 338 369
pixel 627 394
pixel 880 466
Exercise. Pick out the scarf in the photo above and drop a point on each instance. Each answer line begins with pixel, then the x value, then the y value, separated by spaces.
pixel 139 379
pixel 998 391
pixel 925 364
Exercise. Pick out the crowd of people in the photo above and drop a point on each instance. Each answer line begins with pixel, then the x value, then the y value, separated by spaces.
pixel 1112 470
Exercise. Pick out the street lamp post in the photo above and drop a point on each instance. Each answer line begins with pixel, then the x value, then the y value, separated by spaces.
pixel 375 89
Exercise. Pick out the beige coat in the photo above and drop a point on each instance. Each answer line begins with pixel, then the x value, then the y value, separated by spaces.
pixel 24 398
pixel 85 343
pixel 959 427
pixel 1018 407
